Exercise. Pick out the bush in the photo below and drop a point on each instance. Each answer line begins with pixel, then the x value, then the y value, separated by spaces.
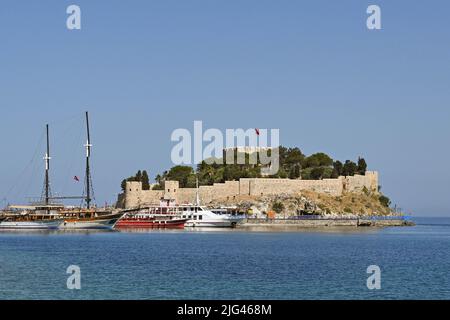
pixel 366 191
pixel 385 201
pixel 278 207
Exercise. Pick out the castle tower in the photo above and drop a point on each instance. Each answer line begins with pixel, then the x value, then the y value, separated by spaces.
pixel 171 190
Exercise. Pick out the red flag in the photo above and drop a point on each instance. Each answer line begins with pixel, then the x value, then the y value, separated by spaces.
pixel 76 179
pixel 257 132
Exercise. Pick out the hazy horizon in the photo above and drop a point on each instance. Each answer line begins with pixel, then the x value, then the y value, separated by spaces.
pixel 142 70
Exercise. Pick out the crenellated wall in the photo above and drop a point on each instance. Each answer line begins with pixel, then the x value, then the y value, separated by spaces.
pixel 134 195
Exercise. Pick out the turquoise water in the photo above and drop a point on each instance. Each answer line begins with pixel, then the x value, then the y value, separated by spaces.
pixel 314 264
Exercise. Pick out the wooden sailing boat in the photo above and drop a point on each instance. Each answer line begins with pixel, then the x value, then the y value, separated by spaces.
pixel 44 215
pixel 49 215
pixel 88 217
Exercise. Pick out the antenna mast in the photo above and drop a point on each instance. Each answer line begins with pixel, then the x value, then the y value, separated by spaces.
pixel 197 195
pixel 47 159
pixel 88 170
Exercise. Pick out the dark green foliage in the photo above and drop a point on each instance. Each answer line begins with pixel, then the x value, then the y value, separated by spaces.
pixel 145 181
pixel 158 187
pixel 278 207
pixel 123 185
pixel 362 166
pixel 385 201
pixel 294 172
pixel 338 168
pixel 183 174
pixel 138 177
pixel 349 169
pixel 317 160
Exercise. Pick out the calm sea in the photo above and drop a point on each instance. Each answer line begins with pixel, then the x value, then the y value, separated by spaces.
pixel 314 264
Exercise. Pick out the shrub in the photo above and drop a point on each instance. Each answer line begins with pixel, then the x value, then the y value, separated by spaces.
pixel 385 201
pixel 278 207
pixel 348 210
pixel 366 191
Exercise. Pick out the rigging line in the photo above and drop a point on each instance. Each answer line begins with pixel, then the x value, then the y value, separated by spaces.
pixel 67 128
pixel 73 157
pixel 66 119
pixel 29 164
pixel 37 169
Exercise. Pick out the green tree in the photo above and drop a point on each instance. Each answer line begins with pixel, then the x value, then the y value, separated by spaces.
pixel 138 176
pixel 293 157
pixel 385 201
pixel 145 181
pixel 159 179
pixel 317 160
pixel 294 172
pixel 338 167
pixel 317 173
pixel 123 185
pixel 180 174
pixel 362 166
pixel 350 168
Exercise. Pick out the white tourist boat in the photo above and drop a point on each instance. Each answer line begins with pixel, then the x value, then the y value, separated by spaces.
pixel 201 217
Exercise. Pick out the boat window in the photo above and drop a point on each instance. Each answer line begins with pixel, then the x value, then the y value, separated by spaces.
pixel 200 217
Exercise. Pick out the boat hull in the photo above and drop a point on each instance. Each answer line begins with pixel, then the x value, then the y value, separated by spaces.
pixel 220 223
pixel 88 224
pixel 31 225
pixel 151 224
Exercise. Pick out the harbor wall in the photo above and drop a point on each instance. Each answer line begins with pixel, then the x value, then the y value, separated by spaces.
pixel 317 223
pixel 134 196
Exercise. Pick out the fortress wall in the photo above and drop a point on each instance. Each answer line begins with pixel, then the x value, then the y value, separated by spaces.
pixel 276 186
pixel 358 182
pixel 188 195
pixel 135 196
pixel 333 187
pixel 244 186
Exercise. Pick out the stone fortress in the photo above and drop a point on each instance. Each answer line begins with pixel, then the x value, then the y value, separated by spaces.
pixel 134 196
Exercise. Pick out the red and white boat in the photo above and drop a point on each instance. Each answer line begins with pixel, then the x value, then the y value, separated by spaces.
pixel 145 220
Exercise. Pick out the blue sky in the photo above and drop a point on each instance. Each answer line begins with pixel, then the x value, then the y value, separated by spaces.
pixel 145 68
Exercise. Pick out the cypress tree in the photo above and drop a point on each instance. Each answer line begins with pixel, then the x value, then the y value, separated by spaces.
pixel 145 181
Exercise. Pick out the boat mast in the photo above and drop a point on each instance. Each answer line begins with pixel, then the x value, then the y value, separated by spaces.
pixel 88 170
pixel 197 195
pixel 47 159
